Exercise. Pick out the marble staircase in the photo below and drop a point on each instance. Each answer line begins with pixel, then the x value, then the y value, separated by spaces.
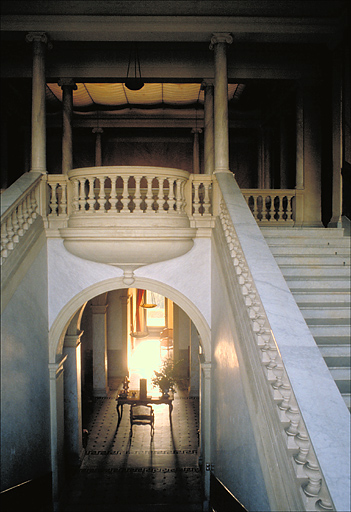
pixel 316 265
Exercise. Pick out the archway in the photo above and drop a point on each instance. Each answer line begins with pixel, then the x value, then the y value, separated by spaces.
pixel 56 343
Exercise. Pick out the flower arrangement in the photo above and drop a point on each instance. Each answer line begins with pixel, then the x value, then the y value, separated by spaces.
pixel 168 376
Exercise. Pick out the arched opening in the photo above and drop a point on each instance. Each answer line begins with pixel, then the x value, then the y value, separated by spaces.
pixel 113 328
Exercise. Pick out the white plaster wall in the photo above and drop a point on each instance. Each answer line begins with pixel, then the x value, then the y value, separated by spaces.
pixel 234 452
pixel 188 275
pixel 25 402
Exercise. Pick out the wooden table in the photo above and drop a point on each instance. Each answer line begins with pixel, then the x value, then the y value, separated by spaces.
pixel 133 398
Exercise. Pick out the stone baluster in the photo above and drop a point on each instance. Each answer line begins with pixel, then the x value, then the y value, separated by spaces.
pixel 293 415
pixel 113 195
pixel 75 202
pixel 137 196
pixel 167 195
pixel 101 196
pixel 179 196
pixel 125 195
pixel 82 195
pixel 324 503
pixel 303 443
pixel 4 240
pixel 207 199
pixel 34 205
pixel 53 200
pixel 64 199
pixel 15 225
pixel 20 219
pixel 173 198
pixel 91 195
pixel 26 214
pixel 149 198
pixel 285 391
pixel 160 194
pixel 314 476
pixel 10 233
pixel 278 372
pixel 196 200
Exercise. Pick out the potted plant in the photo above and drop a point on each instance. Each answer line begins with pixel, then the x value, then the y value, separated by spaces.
pixel 167 377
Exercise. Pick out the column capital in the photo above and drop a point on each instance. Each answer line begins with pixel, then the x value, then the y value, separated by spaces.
pixel 56 369
pixel 73 340
pixel 196 130
pixel 207 82
pixel 67 82
pixel 220 37
pixel 40 37
pixel 97 130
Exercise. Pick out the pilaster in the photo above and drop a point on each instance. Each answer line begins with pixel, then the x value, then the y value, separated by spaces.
pixel 72 398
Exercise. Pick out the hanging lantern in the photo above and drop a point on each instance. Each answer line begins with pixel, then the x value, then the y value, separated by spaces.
pixel 134 83
pixel 148 304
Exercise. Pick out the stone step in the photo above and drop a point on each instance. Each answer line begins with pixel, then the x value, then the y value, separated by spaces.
pixel 323 310
pixel 342 377
pixel 316 271
pixel 322 296
pixel 306 233
pixel 313 260
pixel 328 327
pixel 336 355
pixel 315 250
pixel 317 283
pixel 347 399
pixel 327 340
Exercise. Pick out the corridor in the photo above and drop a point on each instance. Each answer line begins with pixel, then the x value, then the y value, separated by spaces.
pixel 138 473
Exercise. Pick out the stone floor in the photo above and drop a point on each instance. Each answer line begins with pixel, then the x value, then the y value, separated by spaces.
pixel 138 473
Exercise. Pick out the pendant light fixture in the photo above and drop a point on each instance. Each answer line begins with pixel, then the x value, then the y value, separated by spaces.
pixel 148 304
pixel 134 83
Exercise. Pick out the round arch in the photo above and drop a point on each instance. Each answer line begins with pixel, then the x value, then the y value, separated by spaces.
pixel 64 317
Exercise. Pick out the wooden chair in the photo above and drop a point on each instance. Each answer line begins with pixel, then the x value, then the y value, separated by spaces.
pixel 142 415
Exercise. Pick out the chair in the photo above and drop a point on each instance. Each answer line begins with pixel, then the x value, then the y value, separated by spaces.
pixel 142 415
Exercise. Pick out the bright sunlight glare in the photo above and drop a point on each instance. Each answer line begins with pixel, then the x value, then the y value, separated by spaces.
pixel 143 361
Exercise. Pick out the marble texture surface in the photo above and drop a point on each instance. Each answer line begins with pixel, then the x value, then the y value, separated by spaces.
pixel 11 194
pixel 323 409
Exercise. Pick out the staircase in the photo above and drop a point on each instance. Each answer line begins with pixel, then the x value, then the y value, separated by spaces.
pixel 316 265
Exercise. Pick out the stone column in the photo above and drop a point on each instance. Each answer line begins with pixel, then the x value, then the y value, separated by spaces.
pixel 98 148
pixel 38 159
pixel 68 86
pixel 73 398
pixel 311 155
pixel 219 43
pixel 57 428
pixel 207 86
pixel 196 150
pixel 99 331
pixel 337 107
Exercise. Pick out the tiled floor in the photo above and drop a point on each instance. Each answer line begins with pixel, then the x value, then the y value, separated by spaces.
pixel 138 473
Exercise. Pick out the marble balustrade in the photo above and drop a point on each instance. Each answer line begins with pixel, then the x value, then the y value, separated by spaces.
pixel 20 208
pixel 299 449
pixel 272 206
